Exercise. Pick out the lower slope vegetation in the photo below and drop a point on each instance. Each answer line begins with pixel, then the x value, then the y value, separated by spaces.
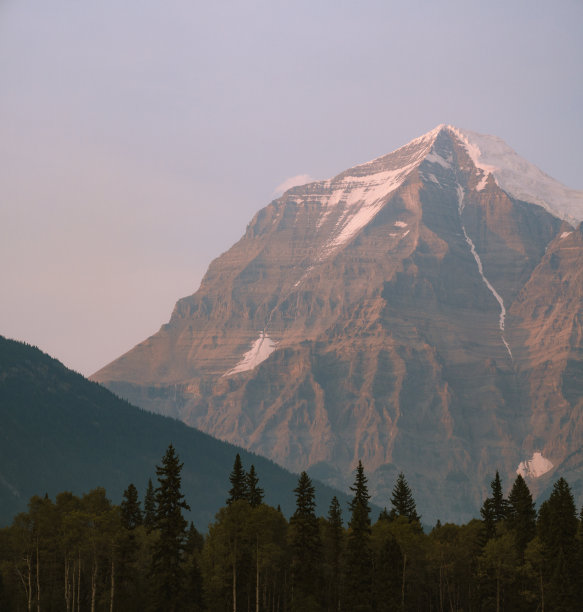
pixel 59 431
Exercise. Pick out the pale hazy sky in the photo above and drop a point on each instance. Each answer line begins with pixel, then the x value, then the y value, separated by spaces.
pixel 138 138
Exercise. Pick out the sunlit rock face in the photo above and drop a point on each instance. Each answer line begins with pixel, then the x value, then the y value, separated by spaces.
pixel 421 312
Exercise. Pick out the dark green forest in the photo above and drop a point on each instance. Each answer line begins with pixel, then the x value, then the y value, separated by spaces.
pixel 60 431
pixel 78 553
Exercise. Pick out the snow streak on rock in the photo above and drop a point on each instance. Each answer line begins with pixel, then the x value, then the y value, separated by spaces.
pixel 362 191
pixel 259 352
pixel 460 195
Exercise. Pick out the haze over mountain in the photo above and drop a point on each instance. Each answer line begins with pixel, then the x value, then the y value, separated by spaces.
pixel 61 432
pixel 421 312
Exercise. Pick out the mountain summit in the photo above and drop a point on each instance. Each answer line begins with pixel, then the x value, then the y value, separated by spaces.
pixel 421 312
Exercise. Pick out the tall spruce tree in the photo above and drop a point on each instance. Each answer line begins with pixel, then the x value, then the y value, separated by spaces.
pixel 358 576
pixel 127 574
pixel 306 549
pixel 403 502
pixel 494 510
pixel 499 504
pixel 521 514
pixel 238 480
pixel 131 514
pixel 557 530
pixel 254 491
pixel 167 571
pixel 487 514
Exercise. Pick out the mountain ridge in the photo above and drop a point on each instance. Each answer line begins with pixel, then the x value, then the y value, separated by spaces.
pixel 382 315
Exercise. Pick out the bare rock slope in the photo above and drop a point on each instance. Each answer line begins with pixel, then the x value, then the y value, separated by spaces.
pixel 421 312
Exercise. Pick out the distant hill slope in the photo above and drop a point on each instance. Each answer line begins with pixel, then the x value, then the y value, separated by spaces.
pixel 59 431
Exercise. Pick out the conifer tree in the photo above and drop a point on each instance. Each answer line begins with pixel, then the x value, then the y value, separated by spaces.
pixel 361 495
pixel 403 502
pixel 487 514
pixel 499 504
pixel 254 491
pixel 333 547
pixel 238 480
pixel 358 578
pixel 167 571
pixel 128 552
pixel 495 508
pixel 557 530
pixel 131 515
pixel 150 506
pixel 521 514
pixel 306 548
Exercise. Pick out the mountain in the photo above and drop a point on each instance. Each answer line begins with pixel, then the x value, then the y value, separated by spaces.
pixel 59 431
pixel 421 312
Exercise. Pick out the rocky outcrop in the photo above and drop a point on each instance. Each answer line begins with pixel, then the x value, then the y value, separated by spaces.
pixel 412 312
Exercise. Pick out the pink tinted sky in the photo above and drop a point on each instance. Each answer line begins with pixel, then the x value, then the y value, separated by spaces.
pixel 138 138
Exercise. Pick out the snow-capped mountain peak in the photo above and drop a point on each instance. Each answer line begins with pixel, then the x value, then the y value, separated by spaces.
pixel 405 312
pixel 355 196
pixel 518 177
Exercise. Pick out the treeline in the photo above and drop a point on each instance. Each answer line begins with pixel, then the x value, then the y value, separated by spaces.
pixel 84 553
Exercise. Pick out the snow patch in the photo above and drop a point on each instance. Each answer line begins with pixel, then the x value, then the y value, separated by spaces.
pixel 431 177
pixel 535 467
pixel 259 352
pixel 435 158
pixel 565 234
pixel 400 224
pixel 518 177
pixel 362 196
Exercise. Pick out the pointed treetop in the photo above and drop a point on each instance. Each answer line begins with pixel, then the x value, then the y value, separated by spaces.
pixel 359 506
pixel 402 501
pixel 360 489
pixel 499 504
pixel 169 498
pixel 494 510
pixel 131 515
pixel 557 520
pixel 305 497
pixel 520 502
pixel 335 513
pixel 521 513
pixel 254 491
pixel 238 482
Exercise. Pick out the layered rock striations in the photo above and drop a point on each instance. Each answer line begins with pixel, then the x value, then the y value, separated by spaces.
pixel 421 312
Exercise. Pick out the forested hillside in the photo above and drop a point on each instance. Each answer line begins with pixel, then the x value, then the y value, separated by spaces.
pixel 61 432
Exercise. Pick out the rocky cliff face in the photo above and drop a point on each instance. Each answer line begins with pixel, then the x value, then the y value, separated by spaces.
pixel 421 312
